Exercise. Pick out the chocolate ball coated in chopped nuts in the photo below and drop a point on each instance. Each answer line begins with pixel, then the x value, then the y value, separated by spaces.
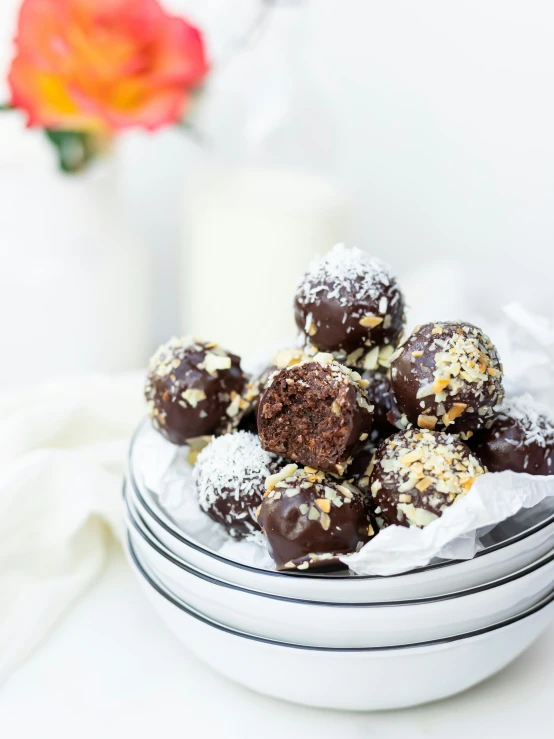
pixel 521 439
pixel 350 305
pixel 310 518
pixel 315 413
pixel 193 389
pixel 418 473
pixel 359 471
pixel 447 376
pixel 229 476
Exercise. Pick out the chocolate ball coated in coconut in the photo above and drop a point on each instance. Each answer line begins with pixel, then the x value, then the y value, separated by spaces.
pixel 315 413
pixel 193 389
pixel 521 438
pixel 310 519
pixel 447 376
pixel 418 473
pixel 229 476
pixel 349 304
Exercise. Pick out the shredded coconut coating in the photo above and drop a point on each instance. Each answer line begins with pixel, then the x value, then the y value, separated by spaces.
pixel 233 467
pixel 536 419
pixel 344 273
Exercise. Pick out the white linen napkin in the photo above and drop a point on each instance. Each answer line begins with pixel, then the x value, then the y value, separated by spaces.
pixel 62 454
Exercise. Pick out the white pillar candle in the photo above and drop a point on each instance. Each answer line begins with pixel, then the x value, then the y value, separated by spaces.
pixel 248 236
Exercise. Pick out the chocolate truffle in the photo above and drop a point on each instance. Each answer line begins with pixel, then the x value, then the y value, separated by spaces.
pixel 350 304
pixel 315 413
pixel 309 518
pixel 381 397
pixel 448 376
pixel 361 467
pixel 418 473
pixel 193 389
pixel 229 476
pixel 521 439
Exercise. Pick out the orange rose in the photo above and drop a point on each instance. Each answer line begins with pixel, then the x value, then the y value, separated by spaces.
pixel 104 65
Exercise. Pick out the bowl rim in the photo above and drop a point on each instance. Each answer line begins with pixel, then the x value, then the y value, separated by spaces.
pixel 171 598
pixel 537 565
pixel 304 575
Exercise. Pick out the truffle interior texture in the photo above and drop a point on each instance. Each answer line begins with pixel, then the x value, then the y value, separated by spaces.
pixel 311 417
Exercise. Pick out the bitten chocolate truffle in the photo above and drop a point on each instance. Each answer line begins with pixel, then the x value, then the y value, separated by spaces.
pixel 521 439
pixel 309 518
pixel 193 389
pixel 248 417
pixel 350 305
pixel 448 376
pixel 229 476
pixel 316 413
pixel 418 473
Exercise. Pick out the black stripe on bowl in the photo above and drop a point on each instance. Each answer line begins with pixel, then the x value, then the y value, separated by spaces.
pixel 380 604
pixel 208 622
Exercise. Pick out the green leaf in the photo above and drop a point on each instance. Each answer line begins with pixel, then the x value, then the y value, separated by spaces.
pixel 75 148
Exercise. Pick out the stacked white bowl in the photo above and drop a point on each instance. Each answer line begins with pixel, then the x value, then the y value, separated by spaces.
pixel 344 641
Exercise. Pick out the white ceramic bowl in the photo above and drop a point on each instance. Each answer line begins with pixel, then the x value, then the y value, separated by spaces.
pixel 342 625
pixel 495 562
pixel 358 679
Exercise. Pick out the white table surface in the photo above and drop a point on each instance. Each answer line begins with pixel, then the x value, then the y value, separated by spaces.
pixel 112 669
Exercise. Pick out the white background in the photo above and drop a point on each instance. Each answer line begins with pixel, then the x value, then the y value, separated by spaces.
pixel 445 121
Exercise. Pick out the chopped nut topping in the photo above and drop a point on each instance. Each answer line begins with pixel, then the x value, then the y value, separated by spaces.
pixel 370 321
pixel 193 396
pixel 212 363
pixel 324 504
pixel 456 410
pixel 434 465
pixel 427 422
pixel 371 359
pixel 313 514
pixel 440 384
pixel 287 471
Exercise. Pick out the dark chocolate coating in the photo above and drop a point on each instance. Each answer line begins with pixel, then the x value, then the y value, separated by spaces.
pixel 187 396
pixel 418 473
pixel 359 471
pixel 447 376
pixel 315 414
pixel 229 476
pixel 309 527
pixel 507 446
pixel 363 310
pixel 381 397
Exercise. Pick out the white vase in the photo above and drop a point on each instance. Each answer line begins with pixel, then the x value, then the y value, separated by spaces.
pixel 74 293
